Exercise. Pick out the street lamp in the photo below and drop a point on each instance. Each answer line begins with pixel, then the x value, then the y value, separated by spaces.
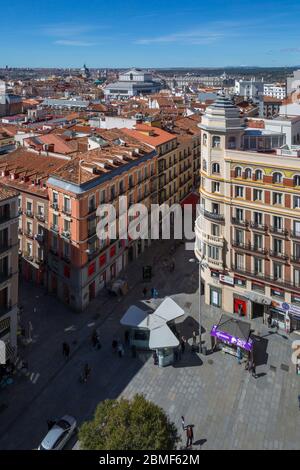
pixel 202 264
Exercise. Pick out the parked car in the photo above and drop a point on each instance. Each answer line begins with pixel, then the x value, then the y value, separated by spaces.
pixel 59 434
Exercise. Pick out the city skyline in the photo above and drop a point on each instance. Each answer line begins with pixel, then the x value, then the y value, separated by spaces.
pixel 225 34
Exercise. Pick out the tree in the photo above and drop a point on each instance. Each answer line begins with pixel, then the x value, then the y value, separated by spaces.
pixel 121 424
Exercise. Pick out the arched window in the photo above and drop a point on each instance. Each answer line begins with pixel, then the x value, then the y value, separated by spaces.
pixel 204 139
pixel 297 180
pixel 238 172
pixel 215 168
pixel 216 141
pixel 258 175
pixel 232 142
pixel 277 177
pixel 248 173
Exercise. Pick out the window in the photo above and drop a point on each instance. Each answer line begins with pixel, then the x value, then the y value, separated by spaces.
pixel 258 266
pixel 277 271
pixel 297 277
pixel 239 236
pixel 239 191
pixel 258 175
pixel 239 214
pixel 297 180
pixel 238 172
pixel 92 203
pixel 55 221
pixel 67 205
pixel 257 195
pixel 239 261
pixel 258 241
pixel 297 251
pixel 204 165
pixel 215 187
pixel 205 139
pixel 277 245
pixel 277 222
pixel 248 173
pixel 277 178
pixel 231 142
pixel 296 228
pixel 277 198
pixel 296 202
pixel 102 197
pixel 55 197
pixel 215 168
pixel 215 230
pixel 213 252
pixel 216 141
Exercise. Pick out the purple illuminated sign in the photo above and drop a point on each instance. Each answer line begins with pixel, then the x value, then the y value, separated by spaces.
pixel 223 336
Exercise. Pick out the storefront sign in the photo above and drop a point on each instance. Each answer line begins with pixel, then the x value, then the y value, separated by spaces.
pixel 226 279
pixel 233 340
pixel 277 293
pixel 288 308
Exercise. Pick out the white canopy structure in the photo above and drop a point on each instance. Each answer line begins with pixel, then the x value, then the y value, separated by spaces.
pixel 160 334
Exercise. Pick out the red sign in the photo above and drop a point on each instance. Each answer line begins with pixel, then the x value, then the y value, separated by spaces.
pixel 92 269
pixel 102 260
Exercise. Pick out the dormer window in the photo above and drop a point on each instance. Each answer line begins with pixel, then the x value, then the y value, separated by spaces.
pixel 277 178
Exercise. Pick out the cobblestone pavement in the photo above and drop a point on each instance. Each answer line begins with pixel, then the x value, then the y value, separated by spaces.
pixel 228 407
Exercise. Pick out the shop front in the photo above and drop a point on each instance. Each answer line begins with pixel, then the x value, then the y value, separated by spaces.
pixel 232 336
pixel 278 315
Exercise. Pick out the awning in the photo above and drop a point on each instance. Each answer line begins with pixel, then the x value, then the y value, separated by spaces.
pixel 169 310
pixel 162 337
pixel 134 316
pixel 258 298
pixel 234 332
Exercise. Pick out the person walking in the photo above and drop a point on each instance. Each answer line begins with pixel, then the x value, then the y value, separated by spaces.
pixel 194 341
pixel 182 344
pixel 299 401
pixel 239 354
pixel 94 339
pixel 183 423
pixel 254 370
pixel 155 358
pixel 66 350
pixel 120 350
pixel 126 337
pixel 114 345
pixel 189 436
pixel 86 372
pixel 145 290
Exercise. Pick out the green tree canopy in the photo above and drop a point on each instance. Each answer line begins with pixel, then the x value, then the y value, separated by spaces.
pixel 136 424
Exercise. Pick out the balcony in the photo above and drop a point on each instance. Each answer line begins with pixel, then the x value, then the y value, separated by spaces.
pixel 239 222
pixel 259 276
pixel 66 234
pixel 66 211
pixel 279 231
pixel 295 259
pixel 259 227
pixel 213 216
pixel 54 228
pixel 29 234
pixel 28 256
pixel 40 217
pixel 279 255
pixel 295 234
pixel 39 237
pixel 249 247
pixel 29 213
pixel 215 263
pixel 54 206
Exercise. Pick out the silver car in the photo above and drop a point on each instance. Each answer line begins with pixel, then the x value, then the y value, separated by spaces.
pixel 59 434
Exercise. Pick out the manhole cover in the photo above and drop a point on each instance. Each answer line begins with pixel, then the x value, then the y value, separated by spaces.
pixel 210 361
pixel 284 367
pixel 273 368
pixel 3 407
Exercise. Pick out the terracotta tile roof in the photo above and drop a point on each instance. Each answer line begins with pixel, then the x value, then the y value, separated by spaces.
pixel 153 136
pixel 7 193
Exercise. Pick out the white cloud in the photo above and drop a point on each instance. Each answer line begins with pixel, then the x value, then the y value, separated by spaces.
pixel 74 43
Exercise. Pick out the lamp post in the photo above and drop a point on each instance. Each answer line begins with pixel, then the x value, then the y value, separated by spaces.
pixel 202 264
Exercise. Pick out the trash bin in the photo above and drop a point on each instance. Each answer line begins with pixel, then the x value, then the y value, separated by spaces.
pixel 204 350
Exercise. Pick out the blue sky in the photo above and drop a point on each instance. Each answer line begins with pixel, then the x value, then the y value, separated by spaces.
pixel 164 33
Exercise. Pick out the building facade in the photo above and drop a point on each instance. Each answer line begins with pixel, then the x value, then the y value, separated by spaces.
pixel 9 269
pixel 248 229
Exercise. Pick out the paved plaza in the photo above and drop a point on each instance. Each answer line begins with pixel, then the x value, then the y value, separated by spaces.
pixel 228 407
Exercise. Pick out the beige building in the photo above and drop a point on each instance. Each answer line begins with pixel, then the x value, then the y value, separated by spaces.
pixel 9 269
pixel 248 229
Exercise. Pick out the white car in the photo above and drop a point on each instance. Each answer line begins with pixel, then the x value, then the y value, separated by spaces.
pixel 59 434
